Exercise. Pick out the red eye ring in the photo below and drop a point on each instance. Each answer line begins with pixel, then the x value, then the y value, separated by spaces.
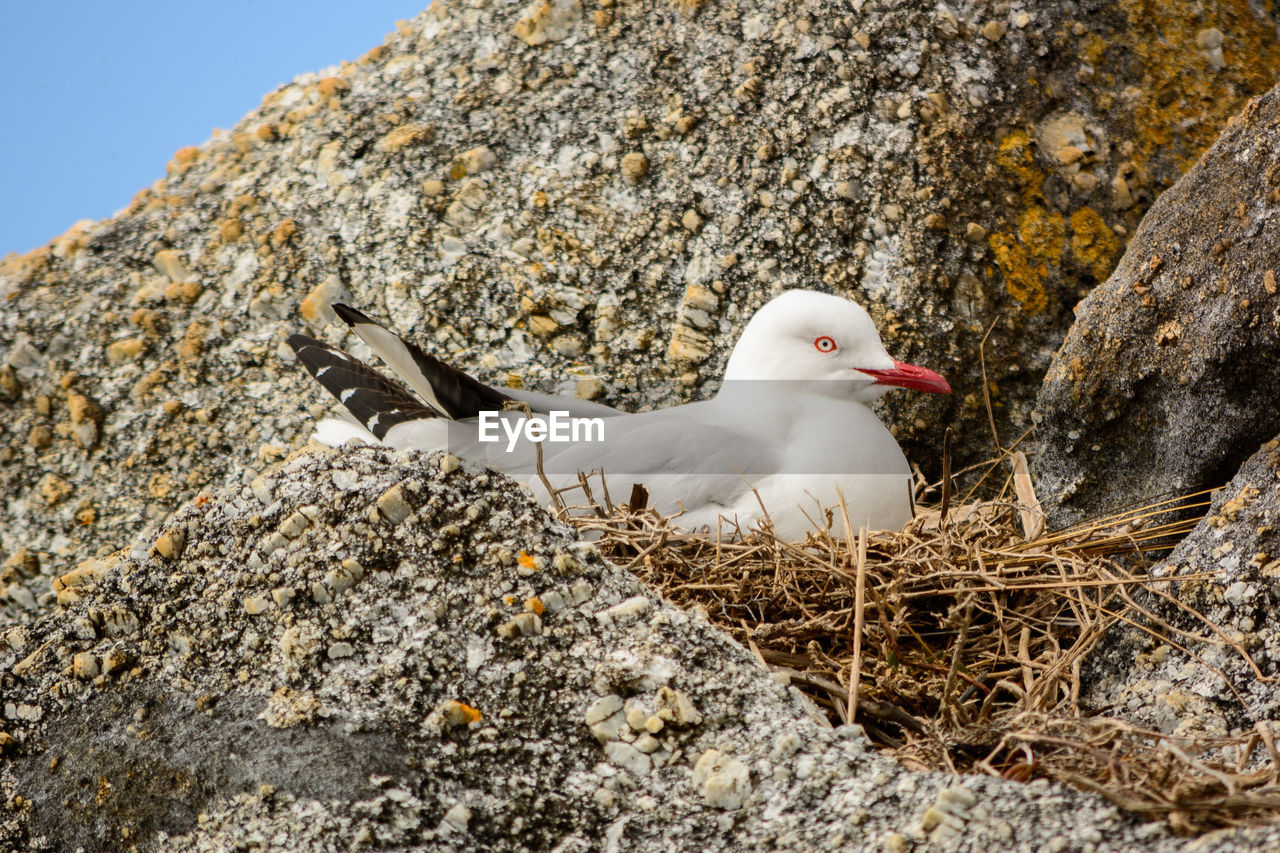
pixel 825 344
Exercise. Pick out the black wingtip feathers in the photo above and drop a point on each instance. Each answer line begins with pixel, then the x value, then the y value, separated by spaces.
pixel 349 315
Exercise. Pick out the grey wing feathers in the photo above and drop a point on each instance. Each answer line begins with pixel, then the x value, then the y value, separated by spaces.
pixel 452 391
pixel 377 402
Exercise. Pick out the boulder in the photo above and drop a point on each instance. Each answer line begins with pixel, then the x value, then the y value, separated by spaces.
pixel 593 199
pixel 1223 680
pixel 404 652
pixel 1168 379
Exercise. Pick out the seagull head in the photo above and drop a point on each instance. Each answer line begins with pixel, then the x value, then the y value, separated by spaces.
pixel 803 335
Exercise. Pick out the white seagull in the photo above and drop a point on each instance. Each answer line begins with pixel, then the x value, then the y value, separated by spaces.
pixel 788 435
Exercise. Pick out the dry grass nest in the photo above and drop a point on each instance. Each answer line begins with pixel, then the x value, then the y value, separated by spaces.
pixel 966 631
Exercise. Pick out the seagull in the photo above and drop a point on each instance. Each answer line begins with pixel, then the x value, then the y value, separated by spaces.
pixel 789 436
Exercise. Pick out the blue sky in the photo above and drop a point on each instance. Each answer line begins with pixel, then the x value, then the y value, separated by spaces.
pixel 97 96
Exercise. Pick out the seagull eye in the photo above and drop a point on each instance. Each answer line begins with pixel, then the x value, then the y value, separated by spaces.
pixel 825 344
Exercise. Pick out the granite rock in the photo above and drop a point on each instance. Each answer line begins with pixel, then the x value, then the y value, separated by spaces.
pixel 593 200
pixel 1207 687
pixel 1167 380
pixel 399 710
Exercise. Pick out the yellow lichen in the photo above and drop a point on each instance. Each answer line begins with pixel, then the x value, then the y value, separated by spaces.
pixel 1093 243
pixel 1186 99
pixel 1042 232
pixel 1025 258
pixel 1014 155
pixel 1023 278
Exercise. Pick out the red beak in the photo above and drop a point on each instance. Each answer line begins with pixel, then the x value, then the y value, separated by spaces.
pixel 905 375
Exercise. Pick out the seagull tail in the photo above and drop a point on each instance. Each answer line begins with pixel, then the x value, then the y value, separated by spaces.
pixel 443 387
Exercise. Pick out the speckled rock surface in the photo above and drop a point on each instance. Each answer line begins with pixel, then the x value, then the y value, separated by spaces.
pixel 358 649
pixel 592 198
pixel 1162 687
pixel 361 650
pixel 1169 378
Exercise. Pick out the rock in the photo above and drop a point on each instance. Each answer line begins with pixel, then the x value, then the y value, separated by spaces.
pixel 724 781
pixel 363 174
pixel 342 651
pixel 1160 687
pixel 1166 381
pixel 635 166
pixel 548 20
pixel 319 726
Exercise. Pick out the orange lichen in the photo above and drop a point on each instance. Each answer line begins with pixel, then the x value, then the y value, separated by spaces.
pixel 374 55
pixel 242 204
pixel 183 291
pixel 25 267
pixel 314 303
pixel 54 489
pixel 161 485
pixel 193 341
pixel 283 233
pixel 1093 243
pixel 460 714
pixel 183 159
pixel 1025 258
pixel 330 86
pixel 73 240
pixel 86 514
pixel 230 230
pixel 526 561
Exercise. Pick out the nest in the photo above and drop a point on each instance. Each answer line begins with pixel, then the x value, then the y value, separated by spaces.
pixel 957 642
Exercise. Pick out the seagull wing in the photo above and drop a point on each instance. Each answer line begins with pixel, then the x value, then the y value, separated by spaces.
pixel 444 388
pixel 684 455
pixel 377 402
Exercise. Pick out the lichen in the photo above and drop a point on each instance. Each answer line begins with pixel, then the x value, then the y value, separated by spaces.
pixel 1185 99
pixel 1093 243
